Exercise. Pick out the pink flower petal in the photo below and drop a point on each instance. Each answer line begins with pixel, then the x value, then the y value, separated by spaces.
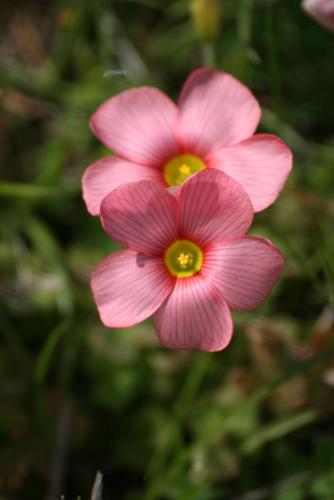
pixel 213 206
pixel 322 11
pixel 107 174
pixel 194 316
pixel 138 125
pixel 261 164
pixel 141 215
pixel 129 287
pixel 216 111
pixel 244 269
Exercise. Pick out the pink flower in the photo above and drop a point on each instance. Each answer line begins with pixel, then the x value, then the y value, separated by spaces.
pixel 212 126
pixel 322 11
pixel 188 262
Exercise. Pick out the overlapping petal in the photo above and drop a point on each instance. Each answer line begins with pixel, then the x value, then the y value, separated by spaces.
pixel 216 111
pixel 129 287
pixel 139 125
pixel 212 206
pixel 244 270
pixel 142 216
pixel 260 164
pixel 213 209
pixel 194 316
pixel 107 174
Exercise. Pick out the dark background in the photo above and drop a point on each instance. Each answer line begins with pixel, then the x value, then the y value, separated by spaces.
pixel 254 421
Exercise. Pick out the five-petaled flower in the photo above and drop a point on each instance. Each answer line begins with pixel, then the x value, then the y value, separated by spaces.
pixel 188 260
pixel 212 127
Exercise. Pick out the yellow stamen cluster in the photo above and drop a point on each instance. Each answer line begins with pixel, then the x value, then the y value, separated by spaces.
pixel 178 169
pixel 183 258
pixel 184 169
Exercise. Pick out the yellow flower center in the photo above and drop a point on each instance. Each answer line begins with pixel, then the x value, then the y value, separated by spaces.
pixel 183 258
pixel 178 169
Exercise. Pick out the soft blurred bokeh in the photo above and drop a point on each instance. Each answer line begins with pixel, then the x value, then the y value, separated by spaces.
pixel 249 423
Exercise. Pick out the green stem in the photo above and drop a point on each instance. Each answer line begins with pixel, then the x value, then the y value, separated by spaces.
pixel 191 385
pixel 209 58
pixel 27 191
pixel 274 69
pixel 182 409
pixel 31 191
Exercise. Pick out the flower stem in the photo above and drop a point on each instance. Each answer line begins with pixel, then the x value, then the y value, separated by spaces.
pixel 209 57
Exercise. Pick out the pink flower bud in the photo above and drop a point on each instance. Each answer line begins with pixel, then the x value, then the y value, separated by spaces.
pixel 206 16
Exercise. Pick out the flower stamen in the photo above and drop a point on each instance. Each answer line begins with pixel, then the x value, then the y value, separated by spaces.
pixel 183 258
pixel 178 169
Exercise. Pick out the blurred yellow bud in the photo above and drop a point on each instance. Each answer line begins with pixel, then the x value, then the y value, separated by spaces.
pixel 206 16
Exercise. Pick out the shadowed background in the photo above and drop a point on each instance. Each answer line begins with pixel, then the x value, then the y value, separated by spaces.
pixel 254 421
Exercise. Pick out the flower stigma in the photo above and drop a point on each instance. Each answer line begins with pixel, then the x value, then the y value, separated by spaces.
pixel 178 169
pixel 183 258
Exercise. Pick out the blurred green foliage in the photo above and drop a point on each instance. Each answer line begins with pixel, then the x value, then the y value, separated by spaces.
pixel 252 422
